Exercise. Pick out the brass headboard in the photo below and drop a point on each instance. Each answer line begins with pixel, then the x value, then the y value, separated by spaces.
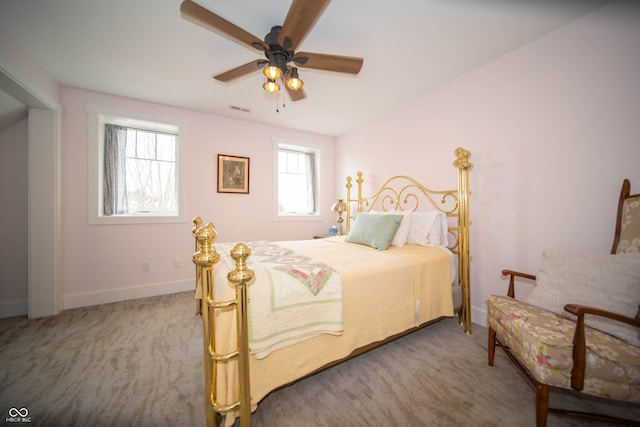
pixel 403 193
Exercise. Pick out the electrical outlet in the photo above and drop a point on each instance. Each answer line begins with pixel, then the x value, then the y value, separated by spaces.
pixel 146 267
pixel 177 263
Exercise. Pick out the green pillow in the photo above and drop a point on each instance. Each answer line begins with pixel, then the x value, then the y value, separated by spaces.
pixel 374 230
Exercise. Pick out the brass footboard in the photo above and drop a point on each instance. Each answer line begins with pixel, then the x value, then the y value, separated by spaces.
pixel 205 258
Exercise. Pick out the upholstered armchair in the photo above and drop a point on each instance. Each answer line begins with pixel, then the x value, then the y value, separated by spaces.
pixel 579 328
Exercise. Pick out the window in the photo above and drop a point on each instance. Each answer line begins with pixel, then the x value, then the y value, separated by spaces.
pixel 139 171
pixel 297 188
pixel 135 171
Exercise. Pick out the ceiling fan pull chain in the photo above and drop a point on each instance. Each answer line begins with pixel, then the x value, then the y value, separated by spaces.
pixel 278 102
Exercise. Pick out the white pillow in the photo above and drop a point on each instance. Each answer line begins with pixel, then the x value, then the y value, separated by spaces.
pixel 400 239
pixel 609 282
pixel 428 228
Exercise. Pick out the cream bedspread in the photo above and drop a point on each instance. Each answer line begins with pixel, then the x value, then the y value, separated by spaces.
pixel 384 293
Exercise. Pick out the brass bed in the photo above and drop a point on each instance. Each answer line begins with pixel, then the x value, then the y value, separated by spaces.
pixel 384 293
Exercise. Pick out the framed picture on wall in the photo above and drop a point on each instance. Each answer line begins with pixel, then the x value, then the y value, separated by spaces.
pixel 233 174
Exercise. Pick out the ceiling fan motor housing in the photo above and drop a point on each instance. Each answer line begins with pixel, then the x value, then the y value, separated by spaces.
pixel 276 54
pixel 272 38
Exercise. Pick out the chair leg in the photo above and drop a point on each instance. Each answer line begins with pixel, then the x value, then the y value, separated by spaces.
pixel 542 404
pixel 491 348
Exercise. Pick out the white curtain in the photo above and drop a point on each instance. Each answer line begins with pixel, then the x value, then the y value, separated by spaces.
pixel 114 183
pixel 311 181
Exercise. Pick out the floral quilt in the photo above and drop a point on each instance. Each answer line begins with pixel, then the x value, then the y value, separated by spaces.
pixel 293 297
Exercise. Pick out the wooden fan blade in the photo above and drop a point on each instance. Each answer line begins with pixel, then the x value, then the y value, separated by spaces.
pixel 337 63
pixel 209 20
pixel 301 17
pixel 296 95
pixel 241 71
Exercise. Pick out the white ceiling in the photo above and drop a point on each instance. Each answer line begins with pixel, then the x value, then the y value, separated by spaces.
pixel 144 49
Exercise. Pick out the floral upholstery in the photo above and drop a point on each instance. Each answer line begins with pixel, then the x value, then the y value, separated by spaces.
pixel 630 222
pixel 542 341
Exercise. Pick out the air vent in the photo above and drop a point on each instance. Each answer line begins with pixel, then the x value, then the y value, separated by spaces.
pixel 244 110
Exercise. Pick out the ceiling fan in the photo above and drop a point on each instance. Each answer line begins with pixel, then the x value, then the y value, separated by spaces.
pixel 279 47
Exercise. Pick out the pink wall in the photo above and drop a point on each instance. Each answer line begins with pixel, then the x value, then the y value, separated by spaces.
pixel 98 258
pixel 553 128
pixel 13 215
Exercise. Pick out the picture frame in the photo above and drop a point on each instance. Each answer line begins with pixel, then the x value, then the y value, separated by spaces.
pixel 233 174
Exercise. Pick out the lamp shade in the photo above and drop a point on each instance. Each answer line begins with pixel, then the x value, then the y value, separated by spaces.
pixel 339 206
pixel 271 86
pixel 294 82
pixel 272 72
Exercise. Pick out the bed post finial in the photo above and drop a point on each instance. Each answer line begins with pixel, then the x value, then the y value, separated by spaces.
pixel 464 166
pixel 462 159
pixel 241 273
pixel 198 222
pixel 206 255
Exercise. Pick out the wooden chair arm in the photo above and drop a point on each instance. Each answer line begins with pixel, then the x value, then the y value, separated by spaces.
pixel 579 341
pixel 581 310
pixel 511 292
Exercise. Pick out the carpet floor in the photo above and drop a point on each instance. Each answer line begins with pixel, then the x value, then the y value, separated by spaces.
pixel 139 363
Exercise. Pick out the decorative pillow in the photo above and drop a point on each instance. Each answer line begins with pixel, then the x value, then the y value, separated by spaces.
pixel 609 282
pixel 428 228
pixel 400 239
pixel 374 230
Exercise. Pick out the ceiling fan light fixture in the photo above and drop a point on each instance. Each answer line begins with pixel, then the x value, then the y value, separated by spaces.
pixel 273 70
pixel 271 86
pixel 294 82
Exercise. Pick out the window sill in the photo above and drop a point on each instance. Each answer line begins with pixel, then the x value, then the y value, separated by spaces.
pixel 136 219
pixel 293 217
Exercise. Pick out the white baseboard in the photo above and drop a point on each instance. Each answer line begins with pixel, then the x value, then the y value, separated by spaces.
pixel 124 294
pixel 14 308
pixel 479 317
